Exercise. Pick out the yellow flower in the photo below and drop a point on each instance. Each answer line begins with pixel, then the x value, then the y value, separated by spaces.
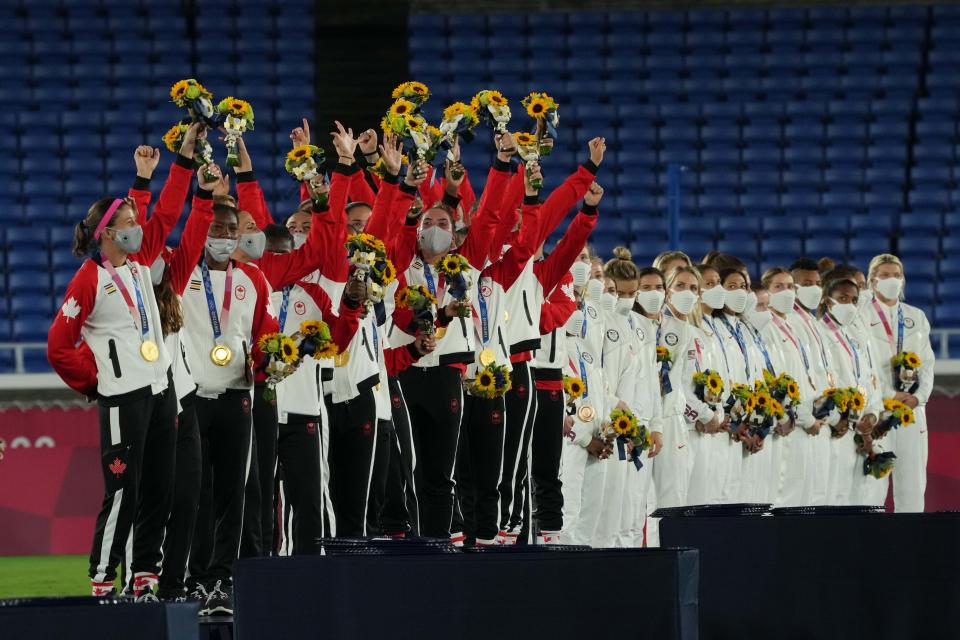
pixel 288 350
pixel 454 110
pixel 330 350
pixel 389 273
pixel 912 360
pixel 265 340
pixel 714 383
pixel 173 138
pixel 573 386
pixel 433 131
pixel 401 108
pixel 537 108
pixel 906 418
pixel 299 153
pixel 621 426
pixel 793 390
pixel 403 298
pixel 419 88
pixel 310 327
pixel 750 405
pixel 496 99
pixel 856 401
pixel 451 265
pixel 524 139
pixel 485 382
pixel 178 90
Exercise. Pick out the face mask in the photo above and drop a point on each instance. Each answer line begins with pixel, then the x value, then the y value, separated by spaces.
pixel 751 303
pixel 220 249
pixel 782 301
pixel 866 297
pixel 844 313
pixel 299 239
pixel 574 324
pixel 759 319
pixel 156 271
pixel 128 240
pixel 593 291
pixel 737 300
pixel 889 288
pixel 683 301
pixel 435 240
pixel 623 306
pixel 608 302
pixel 253 244
pixel 714 298
pixel 651 301
pixel 580 272
pixel 809 296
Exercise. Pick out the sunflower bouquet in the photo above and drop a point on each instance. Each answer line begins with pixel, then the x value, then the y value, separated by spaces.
pixel 369 263
pixel 379 168
pixel 415 92
pixel 905 366
pixel 491 381
pixel 846 403
pixel 786 391
pixel 528 148
pixel 878 465
pixel 456 271
pixel 895 414
pixel 492 109
pixel 631 437
pixel 459 119
pixel 202 151
pixel 542 108
pixel 421 302
pixel 303 162
pixel 282 359
pixel 738 403
pixel 314 339
pixel 665 360
pixel 708 386
pixel 237 118
pixel 199 102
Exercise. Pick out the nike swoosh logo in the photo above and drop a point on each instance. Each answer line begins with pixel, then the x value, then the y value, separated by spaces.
pixel 873 324
pixel 681 446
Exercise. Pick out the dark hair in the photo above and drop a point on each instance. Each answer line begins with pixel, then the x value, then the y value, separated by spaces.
pixel 652 271
pixel 728 261
pixel 701 268
pixel 841 272
pixel 825 264
pixel 832 286
pixel 168 304
pixel 725 273
pixel 277 232
pixel 83 239
pixel 805 264
pixel 220 209
pixel 446 209
pixel 357 203
pixel 708 258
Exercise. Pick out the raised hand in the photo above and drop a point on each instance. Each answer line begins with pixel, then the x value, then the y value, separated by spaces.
pixel 594 195
pixel 392 153
pixel 531 176
pixel 222 187
pixel 344 143
pixel 196 131
pixel 425 343
pixel 301 135
pixel 208 177
pixel 597 148
pixel 246 163
pixel 506 146
pixel 146 159
pixel 454 172
pixel 318 187
pixel 416 173
pixel 368 143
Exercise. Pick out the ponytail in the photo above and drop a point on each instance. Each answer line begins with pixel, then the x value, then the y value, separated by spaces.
pixel 83 240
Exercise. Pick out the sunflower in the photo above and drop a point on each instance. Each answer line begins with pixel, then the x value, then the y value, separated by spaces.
pixel 714 383
pixel 776 409
pixel 173 138
pixel 622 426
pixel 433 131
pixel 856 402
pixel 299 153
pixel 485 382
pixel 454 110
pixel 178 90
pixel 496 99
pixel 268 343
pixel 328 351
pixel 524 139
pixel 403 298
pixel 450 265
pixel 793 391
pixel 911 360
pixel 288 350
pixel 310 327
pixel 750 405
pixel 537 108
pixel 401 108
pixel 906 417
pixel 763 400
pixel 573 386
pixel 389 273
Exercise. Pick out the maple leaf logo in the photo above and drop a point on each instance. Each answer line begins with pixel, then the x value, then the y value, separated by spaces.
pixel 117 467
pixel 271 312
pixel 70 309
pixel 568 290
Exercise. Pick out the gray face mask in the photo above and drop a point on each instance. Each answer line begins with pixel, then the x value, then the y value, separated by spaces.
pixel 156 271
pixel 299 239
pixel 220 249
pixel 253 244
pixel 128 240
pixel 435 240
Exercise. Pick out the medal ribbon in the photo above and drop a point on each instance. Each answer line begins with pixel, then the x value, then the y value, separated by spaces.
pixel 283 307
pixel 218 322
pixel 886 325
pixel 758 340
pixel 805 316
pixel 143 326
pixel 799 347
pixel 738 336
pixel 846 342
pixel 713 328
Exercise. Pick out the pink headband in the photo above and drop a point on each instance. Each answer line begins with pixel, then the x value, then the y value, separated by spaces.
pixel 105 220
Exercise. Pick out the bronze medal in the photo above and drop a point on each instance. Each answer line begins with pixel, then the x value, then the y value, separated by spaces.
pixel 586 413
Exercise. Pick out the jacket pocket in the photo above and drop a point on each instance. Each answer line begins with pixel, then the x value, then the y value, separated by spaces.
pixel 114 358
pixel 526 309
pixel 367 345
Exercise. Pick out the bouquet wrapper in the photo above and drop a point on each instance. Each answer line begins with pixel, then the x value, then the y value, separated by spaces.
pixel 665 385
pixel 634 454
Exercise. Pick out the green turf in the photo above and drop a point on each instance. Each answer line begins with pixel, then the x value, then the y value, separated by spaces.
pixel 23 576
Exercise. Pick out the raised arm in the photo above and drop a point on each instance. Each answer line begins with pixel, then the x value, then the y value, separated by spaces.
pixel 558 306
pixel 187 254
pixel 551 270
pixel 572 189
pixel 475 247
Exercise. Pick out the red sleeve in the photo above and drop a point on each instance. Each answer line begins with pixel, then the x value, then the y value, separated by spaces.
pixel 187 254
pixel 166 212
pixel 475 247
pixel 508 217
pixel 558 306
pixel 343 326
pixel 377 182
pixel 431 194
pixel 507 269
pixel 402 246
pixel 379 222
pixel 397 360
pixel 250 198
pixel 264 319
pixel 564 197
pixel 140 192
pixel 360 191
pixel 75 365
pixel 467 195
pixel 550 271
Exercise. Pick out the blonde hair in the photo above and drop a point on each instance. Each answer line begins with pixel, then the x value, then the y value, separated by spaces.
pixel 670 256
pixel 882 259
pixel 621 267
pixel 695 317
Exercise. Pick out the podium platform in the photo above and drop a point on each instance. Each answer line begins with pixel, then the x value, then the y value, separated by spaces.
pixel 493 594
pixel 873 576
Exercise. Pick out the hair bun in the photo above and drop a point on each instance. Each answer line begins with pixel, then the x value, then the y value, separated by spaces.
pixel 622 253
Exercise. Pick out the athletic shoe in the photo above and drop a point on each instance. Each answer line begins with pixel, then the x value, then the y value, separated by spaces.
pixel 220 601
pixel 172 595
pixel 197 594
pixel 148 597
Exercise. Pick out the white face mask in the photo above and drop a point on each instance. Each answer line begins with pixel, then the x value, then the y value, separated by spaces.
pixel 782 301
pixel 624 305
pixel 580 272
pixel 651 301
pixel 737 300
pixel 751 302
pixel 889 288
pixel 844 313
pixel 866 297
pixel 574 324
pixel 156 271
pixel 435 239
pixel 810 296
pixel 220 249
pixel 253 244
pixel 608 302
pixel 299 239
pixel 593 291
pixel 759 319
pixel 714 298
pixel 683 301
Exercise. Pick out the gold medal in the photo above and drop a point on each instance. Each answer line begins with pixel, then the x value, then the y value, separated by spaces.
pixel 149 350
pixel 440 332
pixel 487 357
pixel 341 359
pixel 221 355
pixel 586 413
